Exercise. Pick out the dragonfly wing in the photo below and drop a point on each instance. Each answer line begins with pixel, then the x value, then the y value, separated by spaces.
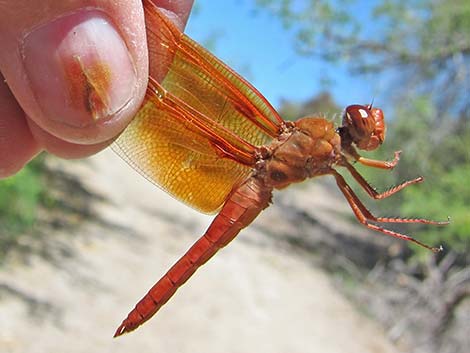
pixel 206 83
pixel 198 153
pixel 178 159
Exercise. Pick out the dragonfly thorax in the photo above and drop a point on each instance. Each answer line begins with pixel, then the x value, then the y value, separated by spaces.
pixel 309 149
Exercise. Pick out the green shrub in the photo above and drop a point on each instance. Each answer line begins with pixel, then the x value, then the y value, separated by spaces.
pixel 20 198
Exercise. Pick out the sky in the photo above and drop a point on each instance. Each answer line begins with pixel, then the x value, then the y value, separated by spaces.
pixel 257 46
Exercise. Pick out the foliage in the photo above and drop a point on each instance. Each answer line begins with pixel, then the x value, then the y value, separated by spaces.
pixel 426 42
pixel 20 198
pixel 423 45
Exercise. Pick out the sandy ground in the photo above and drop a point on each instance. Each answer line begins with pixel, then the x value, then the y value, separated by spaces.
pixel 251 297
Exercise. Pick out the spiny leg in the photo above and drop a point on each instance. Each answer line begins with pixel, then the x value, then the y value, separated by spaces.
pixel 371 191
pixel 364 216
pixel 369 216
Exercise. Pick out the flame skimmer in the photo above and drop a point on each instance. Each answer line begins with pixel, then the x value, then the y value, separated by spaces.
pixel 210 139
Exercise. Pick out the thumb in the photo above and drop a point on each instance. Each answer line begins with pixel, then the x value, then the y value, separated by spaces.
pixel 77 68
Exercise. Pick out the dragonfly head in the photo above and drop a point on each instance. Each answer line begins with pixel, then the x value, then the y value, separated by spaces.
pixel 364 126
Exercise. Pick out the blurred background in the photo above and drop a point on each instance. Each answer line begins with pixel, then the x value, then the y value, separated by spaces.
pixel 82 241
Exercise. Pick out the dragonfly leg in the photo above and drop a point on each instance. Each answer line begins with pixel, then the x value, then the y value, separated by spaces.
pixel 371 191
pixel 380 164
pixel 364 216
pixel 374 163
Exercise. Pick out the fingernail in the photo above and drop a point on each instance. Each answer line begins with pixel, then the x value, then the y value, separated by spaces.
pixel 79 68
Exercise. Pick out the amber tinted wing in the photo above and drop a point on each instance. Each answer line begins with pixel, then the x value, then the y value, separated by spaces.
pixel 178 157
pixel 199 149
pixel 203 81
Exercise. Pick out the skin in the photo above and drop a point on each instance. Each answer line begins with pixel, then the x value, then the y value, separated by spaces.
pixel 26 126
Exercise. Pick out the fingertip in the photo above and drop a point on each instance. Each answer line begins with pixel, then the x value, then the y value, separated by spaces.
pixel 82 72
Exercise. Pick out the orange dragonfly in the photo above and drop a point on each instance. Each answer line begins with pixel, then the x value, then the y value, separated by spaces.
pixel 210 139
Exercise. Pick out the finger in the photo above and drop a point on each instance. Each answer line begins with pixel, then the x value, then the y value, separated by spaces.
pixel 17 145
pixel 77 68
pixel 178 11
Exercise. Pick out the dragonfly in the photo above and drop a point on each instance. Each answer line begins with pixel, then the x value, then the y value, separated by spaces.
pixel 211 140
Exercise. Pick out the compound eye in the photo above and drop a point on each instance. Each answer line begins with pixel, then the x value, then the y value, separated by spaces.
pixel 365 126
pixel 358 117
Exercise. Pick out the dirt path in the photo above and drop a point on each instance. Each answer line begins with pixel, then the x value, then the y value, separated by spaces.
pixel 248 298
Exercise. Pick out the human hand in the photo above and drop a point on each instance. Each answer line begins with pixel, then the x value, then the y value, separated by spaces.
pixel 72 74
